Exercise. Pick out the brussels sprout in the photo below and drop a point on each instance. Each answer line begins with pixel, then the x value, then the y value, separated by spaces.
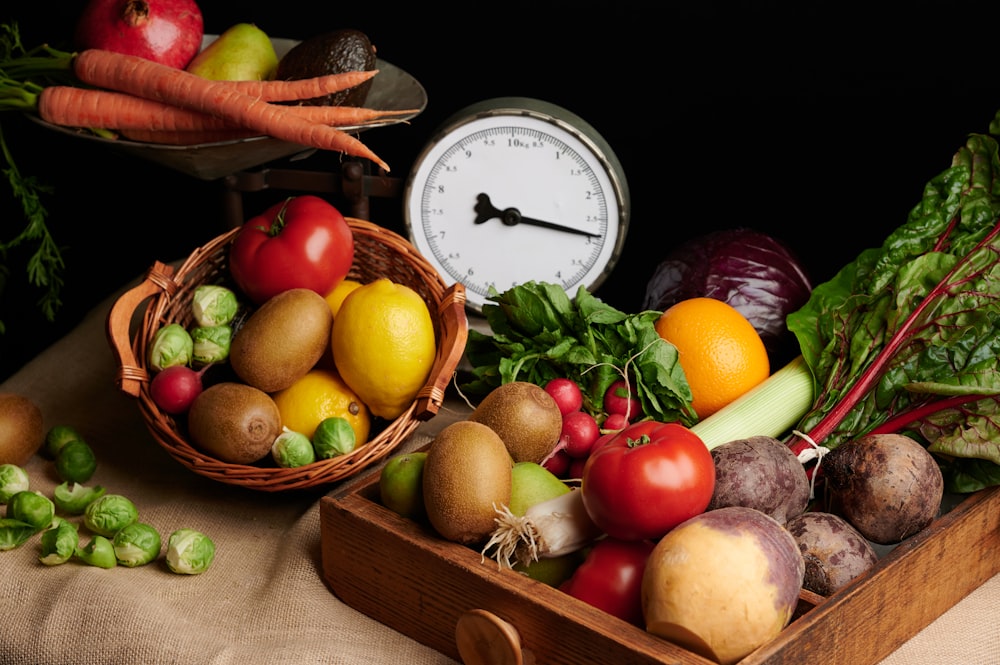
pixel 292 449
pixel 72 498
pixel 211 344
pixel 333 437
pixel 76 462
pixel 32 508
pixel 136 545
pixel 59 542
pixel 98 552
pixel 14 533
pixel 172 345
pixel 109 514
pixel 189 552
pixel 58 436
pixel 13 479
pixel 213 305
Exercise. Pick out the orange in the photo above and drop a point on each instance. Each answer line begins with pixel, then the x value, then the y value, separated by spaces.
pixel 319 395
pixel 720 351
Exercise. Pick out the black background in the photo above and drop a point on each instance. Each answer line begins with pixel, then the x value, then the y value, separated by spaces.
pixel 819 124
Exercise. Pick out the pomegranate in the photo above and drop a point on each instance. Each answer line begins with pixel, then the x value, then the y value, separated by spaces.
pixel 165 31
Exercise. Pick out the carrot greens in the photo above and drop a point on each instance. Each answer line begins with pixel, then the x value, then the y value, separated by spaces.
pixel 21 74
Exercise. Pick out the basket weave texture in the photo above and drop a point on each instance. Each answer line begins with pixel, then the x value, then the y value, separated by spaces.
pixel 166 294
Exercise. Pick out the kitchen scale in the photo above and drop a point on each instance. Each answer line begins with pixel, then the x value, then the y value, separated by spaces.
pixel 514 189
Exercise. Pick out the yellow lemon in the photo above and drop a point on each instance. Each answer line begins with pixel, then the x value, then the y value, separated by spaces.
pixel 336 297
pixel 318 395
pixel 383 345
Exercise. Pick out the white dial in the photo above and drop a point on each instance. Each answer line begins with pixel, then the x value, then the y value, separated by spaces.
pixel 515 190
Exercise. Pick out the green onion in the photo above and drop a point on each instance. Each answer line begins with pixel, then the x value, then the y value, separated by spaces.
pixel 771 408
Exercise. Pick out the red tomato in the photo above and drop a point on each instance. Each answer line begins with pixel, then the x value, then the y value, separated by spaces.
pixel 648 479
pixel 302 242
pixel 610 578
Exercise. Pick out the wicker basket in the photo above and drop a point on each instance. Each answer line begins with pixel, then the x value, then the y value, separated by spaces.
pixel 378 252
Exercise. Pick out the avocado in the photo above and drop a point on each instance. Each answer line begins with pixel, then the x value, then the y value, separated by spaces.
pixel 343 50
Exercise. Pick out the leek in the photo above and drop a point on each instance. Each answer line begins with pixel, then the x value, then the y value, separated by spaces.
pixel 548 529
pixel 771 408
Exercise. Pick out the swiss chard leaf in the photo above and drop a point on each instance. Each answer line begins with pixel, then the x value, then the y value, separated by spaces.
pixel 917 319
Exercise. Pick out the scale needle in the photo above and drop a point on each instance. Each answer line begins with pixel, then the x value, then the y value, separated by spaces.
pixel 512 217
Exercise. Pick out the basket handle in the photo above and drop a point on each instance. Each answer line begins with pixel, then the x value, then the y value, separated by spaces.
pixel 130 376
pixel 455 332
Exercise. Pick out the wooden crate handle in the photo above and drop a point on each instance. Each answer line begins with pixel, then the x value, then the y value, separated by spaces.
pixel 118 328
pixel 483 638
pixel 455 331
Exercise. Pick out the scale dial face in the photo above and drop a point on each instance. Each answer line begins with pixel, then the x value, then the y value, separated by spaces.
pixel 517 190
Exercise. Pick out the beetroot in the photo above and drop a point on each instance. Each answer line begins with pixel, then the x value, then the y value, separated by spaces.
pixel 165 31
pixel 834 552
pixel 886 485
pixel 760 472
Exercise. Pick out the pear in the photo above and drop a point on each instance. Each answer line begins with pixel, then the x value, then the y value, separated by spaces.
pixel 243 52
pixel 532 483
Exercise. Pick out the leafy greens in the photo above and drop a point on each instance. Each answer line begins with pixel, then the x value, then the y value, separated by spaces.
pixel 539 334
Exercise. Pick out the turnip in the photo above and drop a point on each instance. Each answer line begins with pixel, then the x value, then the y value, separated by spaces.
pixel 760 472
pixel 722 583
pixel 175 388
pixel 886 485
pixel 834 552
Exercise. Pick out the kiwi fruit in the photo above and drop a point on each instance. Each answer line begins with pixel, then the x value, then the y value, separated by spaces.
pixel 525 416
pixel 335 52
pixel 467 473
pixel 234 422
pixel 282 340
pixel 21 430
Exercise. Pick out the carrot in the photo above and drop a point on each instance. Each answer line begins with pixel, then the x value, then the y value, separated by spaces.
pixel 152 80
pixel 94 108
pixel 275 90
pixel 187 137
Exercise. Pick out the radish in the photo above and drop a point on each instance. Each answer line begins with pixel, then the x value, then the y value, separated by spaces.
pixel 557 463
pixel 579 431
pixel 175 388
pixel 621 399
pixel 165 31
pixel 566 393
pixel 615 422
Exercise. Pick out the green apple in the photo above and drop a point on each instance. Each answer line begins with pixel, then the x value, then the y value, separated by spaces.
pixel 243 52
pixel 532 483
pixel 400 484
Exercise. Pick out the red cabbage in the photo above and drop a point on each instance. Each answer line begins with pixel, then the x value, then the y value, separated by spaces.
pixel 756 273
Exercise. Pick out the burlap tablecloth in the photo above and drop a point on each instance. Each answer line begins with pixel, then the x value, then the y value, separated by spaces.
pixel 264 599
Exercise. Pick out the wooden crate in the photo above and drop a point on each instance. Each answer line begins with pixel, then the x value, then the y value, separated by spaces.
pixel 403 575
